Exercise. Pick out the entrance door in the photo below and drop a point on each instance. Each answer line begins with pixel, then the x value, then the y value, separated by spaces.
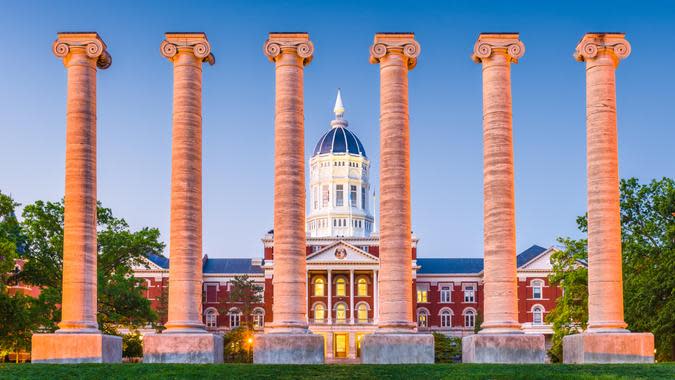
pixel 358 344
pixel 341 344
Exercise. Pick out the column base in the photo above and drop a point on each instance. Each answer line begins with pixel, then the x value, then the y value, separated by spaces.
pixel 587 348
pixel 504 348
pixel 76 348
pixel 387 348
pixel 284 348
pixel 201 348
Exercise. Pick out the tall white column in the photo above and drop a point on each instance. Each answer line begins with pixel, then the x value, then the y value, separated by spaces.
pixel 376 298
pixel 351 296
pixel 329 303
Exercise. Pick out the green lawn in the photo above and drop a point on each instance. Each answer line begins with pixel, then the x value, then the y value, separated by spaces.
pixel 408 372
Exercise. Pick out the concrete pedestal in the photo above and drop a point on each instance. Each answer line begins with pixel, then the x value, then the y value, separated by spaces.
pixel 503 348
pixel 288 349
pixel 397 349
pixel 201 348
pixel 608 348
pixel 76 348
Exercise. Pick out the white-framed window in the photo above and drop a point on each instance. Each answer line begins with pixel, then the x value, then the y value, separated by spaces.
pixel 352 196
pixel 446 317
pixel 211 293
pixel 469 293
pixel 538 315
pixel 235 317
pixel 422 318
pixel 537 289
pixel 319 287
pixel 258 318
pixel 364 198
pixel 341 313
pixel 469 318
pixel 319 312
pixel 211 318
pixel 446 293
pixel 362 287
pixel 325 196
pixel 340 287
pixel 339 195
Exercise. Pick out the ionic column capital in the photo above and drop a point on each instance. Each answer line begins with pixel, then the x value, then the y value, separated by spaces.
pixel 594 45
pixel 291 43
pixel 194 43
pixel 395 43
pixel 87 43
pixel 490 45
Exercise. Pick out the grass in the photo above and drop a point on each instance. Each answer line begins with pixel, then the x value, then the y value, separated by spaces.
pixel 408 372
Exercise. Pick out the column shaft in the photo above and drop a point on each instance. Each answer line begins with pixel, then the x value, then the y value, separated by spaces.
pixel 329 304
pixel 79 303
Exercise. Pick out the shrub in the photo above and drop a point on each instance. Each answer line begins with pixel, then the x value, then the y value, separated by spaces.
pixel 132 345
pixel 238 347
pixel 447 349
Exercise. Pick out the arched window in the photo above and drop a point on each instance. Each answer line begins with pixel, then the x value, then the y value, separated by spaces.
pixel 235 317
pixel 340 287
pixel 537 289
pixel 469 318
pixel 362 287
pixel 446 318
pixel 362 313
pixel 422 318
pixel 211 318
pixel 537 315
pixel 319 287
pixel 319 313
pixel 258 318
pixel 341 313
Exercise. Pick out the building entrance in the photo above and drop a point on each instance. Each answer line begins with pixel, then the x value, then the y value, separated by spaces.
pixel 341 343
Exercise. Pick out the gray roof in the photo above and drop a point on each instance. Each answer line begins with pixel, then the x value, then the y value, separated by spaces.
pixel 469 266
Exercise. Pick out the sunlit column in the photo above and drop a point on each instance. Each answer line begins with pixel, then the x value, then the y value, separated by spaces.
pixel 496 52
pixel 602 53
pixel 351 295
pixel 82 54
pixel 396 54
pixel 187 52
pixel 330 297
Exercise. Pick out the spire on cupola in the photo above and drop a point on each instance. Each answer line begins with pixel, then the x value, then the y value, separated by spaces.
pixel 339 111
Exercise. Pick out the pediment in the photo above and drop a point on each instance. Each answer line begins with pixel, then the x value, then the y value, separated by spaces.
pixel 541 262
pixel 341 252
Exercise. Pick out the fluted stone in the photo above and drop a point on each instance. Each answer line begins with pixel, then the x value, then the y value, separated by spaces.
pixel 606 339
pixel 82 54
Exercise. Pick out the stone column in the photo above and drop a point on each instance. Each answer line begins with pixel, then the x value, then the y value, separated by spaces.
pixel 185 339
pixel 606 339
pixel 376 298
pixel 290 52
pixel 82 54
pixel 329 302
pixel 396 54
pixel 351 296
pixel 501 339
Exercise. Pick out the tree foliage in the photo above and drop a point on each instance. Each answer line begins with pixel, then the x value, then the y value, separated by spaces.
pixel 648 246
pixel 238 345
pixel 247 294
pixel 447 349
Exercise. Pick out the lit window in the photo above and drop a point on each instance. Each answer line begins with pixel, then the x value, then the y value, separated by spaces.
pixel 235 318
pixel 445 294
pixel 339 195
pixel 319 287
pixel 341 287
pixel 422 319
pixel 469 294
pixel 211 319
pixel 446 318
pixel 362 313
pixel 319 312
pixel 258 319
pixel 421 296
pixel 469 318
pixel 341 313
pixel 537 287
pixel 537 315
pixel 362 289
pixel 352 196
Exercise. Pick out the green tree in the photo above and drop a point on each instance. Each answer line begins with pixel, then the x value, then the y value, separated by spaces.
pixel 648 246
pixel 247 294
pixel 447 349
pixel 120 295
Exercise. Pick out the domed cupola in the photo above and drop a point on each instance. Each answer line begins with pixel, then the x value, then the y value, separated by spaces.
pixel 339 186
pixel 339 140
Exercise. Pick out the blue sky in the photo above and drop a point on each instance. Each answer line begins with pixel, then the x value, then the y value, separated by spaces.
pixel 134 107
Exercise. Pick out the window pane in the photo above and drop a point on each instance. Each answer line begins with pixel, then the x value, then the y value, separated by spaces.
pixel 325 196
pixel 352 196
pixel 339 200
pixel 341 288
pixel 364 200
pixel 362 290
